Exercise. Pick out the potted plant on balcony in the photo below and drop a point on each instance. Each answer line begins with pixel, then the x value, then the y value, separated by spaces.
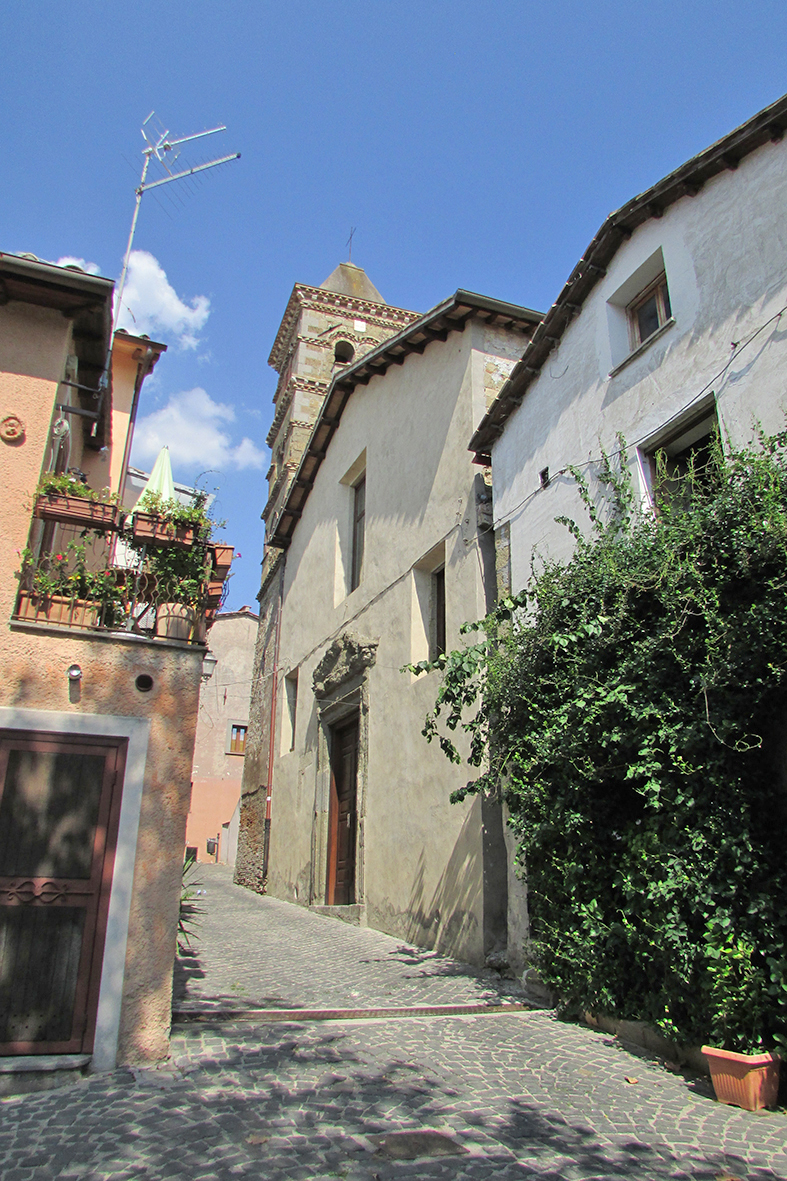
pixel 59 588
pixel 170 522
pixel 70 500
pixel 222 560
pixel 176 573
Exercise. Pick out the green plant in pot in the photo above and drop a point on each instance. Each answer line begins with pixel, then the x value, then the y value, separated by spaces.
pixel 178 573
pixel 630 705
pixel 65 575
pixel 68 498
pixel 67 484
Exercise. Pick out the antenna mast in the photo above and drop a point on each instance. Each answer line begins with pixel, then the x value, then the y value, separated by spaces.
pixel 158 147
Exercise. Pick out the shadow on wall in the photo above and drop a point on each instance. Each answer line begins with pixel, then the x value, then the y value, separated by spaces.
pixel 448 921
pixel 108 688
pixel 250 858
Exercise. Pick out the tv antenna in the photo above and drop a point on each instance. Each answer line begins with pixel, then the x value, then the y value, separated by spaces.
pixel 163 149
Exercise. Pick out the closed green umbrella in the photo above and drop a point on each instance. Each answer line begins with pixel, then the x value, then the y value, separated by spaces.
pixel 160 479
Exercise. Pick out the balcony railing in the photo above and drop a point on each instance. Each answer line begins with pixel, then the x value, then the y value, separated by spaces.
pixel 135 576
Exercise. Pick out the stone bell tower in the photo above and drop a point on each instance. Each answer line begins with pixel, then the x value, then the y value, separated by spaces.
pixel 323 329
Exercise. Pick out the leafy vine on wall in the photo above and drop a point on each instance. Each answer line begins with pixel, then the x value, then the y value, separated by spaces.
pixel 630 705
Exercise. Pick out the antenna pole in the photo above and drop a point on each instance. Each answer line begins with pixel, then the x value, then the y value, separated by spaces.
pixel 155 148
pixel 121 285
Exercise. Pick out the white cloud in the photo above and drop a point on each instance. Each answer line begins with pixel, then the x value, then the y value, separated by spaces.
pixel 67 260
pixel 193 426
pixel 151 304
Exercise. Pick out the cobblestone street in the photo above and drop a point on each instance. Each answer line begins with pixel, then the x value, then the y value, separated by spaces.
pixel 512 1094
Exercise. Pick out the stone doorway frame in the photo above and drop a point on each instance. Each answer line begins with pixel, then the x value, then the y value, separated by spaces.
pixel 341 689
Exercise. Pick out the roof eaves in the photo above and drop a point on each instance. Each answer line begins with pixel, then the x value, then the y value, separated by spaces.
pixel 769 124
pixel 449 316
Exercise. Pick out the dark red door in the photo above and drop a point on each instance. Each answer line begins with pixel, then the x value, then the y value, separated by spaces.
pixel 59 808
pixel 342 815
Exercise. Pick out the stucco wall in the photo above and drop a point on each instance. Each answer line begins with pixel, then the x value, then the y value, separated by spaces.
pixel 724 253
pixel 34 346
pixel 224 700
pixel 420 859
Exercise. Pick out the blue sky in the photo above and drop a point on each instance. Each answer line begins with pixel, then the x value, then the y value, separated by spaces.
pixel 472 144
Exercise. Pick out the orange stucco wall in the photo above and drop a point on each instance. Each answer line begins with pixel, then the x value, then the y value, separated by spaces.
pixel 212 803
pixel 34 346
pixel 35 676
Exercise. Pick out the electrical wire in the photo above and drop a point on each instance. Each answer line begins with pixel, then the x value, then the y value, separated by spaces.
pixel 737 349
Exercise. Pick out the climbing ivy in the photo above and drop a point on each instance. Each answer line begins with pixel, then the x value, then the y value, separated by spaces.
pixel 631 704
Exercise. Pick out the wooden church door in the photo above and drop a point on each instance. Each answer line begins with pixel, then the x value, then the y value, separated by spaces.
pixel 342 815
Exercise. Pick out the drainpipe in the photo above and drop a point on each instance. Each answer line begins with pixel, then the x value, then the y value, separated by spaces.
pixel 266 840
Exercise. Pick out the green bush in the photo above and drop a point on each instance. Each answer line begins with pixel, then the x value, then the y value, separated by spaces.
pixel 631 706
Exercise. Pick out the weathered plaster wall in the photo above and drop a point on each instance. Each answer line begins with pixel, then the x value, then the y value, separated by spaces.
pixel 420 859
pixel 224 700
pixel 34 347
pixel 34 667
pixel 725 255
pixel 249 864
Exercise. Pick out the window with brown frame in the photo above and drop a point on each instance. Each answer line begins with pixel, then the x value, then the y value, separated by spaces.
pixel 649 311
pixel 237 739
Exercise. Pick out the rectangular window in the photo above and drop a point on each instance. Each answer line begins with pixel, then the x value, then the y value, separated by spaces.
pixel 237 739
pixel 687 447
pixel 289 716
pixel 359 527
pixel 438 614
pixel 428 614
pixel 649 311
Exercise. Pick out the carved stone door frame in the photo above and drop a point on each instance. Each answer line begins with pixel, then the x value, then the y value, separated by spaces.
pixel 341 689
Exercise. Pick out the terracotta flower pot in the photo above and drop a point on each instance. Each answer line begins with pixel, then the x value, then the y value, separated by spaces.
pixel 214 593
pixel 750 1081
pixel 176 621
pixel 149 528
pixel 57 609
pixel 77 510
pixel 222 560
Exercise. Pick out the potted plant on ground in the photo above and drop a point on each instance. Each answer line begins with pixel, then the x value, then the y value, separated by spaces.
pixel 70 500
pixel 743 1070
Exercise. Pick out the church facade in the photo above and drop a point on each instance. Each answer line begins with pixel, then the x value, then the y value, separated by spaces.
pixel 378 548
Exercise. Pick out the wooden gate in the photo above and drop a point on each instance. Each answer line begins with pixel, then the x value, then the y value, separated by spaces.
pixel 59 811
pixel 342 815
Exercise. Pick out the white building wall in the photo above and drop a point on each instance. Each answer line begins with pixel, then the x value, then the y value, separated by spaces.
pixel 725 255
pixel 420 873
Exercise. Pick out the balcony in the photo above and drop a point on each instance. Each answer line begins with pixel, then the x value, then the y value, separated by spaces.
pixel 93 568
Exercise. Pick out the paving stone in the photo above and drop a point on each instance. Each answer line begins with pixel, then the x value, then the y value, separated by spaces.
pixel 528 1097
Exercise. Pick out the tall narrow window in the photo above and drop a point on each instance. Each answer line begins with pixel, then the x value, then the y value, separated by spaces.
pixel 290 711
pixel 438 613
pixel 359 526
